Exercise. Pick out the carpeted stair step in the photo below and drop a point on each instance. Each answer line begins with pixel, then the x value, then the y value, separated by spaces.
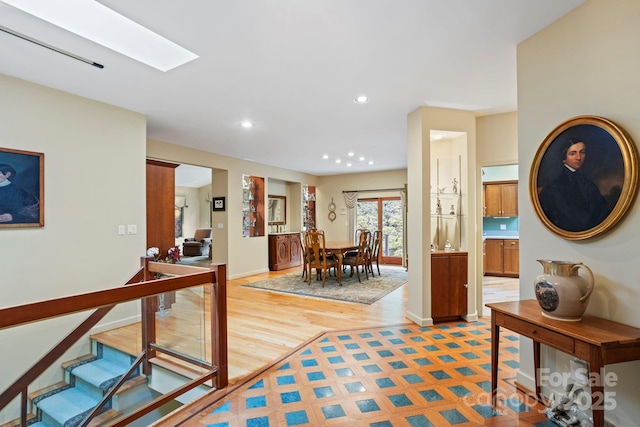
pixel 66 408
pixel 89 379
pixel 99 375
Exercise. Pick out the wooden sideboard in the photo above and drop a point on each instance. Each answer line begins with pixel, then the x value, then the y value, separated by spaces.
pixel 593 339
pixel 284 251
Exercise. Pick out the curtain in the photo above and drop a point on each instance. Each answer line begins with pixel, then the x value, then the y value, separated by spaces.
pixel 350 199
pixel 405 208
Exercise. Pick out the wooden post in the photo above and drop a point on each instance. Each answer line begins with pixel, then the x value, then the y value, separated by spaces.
pixel 218 309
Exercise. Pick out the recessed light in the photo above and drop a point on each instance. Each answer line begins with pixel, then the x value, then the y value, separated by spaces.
pixel 325 156
pixel 370 162
pixel 350 154
pixel 246 124
pixel 362 99
pixel 348 165
pixel 361 158
pixel 96 22
pixel 338 161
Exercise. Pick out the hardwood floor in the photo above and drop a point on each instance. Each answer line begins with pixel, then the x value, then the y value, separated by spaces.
pixel 497 289
pixel 264 326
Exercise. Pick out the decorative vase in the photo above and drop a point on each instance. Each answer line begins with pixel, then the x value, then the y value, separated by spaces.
pixel 561 292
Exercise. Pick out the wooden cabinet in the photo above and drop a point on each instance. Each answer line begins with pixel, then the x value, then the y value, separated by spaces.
pixel 449 285
pixel 501 257
pixel 511 257
pixel 500 198
pixel 284 251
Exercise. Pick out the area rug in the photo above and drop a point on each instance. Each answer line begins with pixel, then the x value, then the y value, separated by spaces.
pixel 367 292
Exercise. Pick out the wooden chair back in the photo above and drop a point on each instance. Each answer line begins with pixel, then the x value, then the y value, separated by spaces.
pixel 374 251
pixel 315 246
pixel 317 256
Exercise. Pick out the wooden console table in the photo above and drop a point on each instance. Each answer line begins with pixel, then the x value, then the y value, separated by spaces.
pixel 593 339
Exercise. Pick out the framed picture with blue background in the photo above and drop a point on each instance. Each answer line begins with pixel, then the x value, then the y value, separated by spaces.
pixel 21 188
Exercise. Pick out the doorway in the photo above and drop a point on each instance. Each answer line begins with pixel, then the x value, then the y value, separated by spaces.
pixel 500 235
pixel 385 215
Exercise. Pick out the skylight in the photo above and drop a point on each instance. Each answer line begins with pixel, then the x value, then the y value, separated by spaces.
pixel 98 23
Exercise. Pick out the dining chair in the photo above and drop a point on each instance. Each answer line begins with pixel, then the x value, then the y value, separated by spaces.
pixel 305 255
pixel 356 239
pixel 318 257
pixel 374 252
pixel 360 257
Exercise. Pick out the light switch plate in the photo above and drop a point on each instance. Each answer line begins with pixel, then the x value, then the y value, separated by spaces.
pixel 503 226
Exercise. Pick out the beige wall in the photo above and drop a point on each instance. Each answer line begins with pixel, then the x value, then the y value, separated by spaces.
pixel 584 63
pixel 244 256
pixel 497 139
pixel 332 187
pixel 420 123
pixel 94 156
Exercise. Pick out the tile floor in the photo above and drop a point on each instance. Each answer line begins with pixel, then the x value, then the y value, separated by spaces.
pixel 402 375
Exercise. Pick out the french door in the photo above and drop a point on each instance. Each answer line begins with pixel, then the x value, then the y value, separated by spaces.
pixel 383 214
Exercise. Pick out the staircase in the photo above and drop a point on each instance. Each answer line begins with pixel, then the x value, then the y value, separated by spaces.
pixel 86 380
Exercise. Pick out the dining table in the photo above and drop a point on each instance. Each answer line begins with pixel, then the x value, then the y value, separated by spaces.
pixel 339 248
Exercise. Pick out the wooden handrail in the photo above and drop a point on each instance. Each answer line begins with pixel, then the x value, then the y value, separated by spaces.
pixel 21 384
pixel 33 312
pixel 141 286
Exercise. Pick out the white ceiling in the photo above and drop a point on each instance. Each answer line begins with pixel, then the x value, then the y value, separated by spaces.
pixel 192 176
pixel 293 67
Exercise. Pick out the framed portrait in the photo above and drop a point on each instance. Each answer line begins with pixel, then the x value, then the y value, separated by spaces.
pixel 584 177
pixel 21 188
pixel 217 203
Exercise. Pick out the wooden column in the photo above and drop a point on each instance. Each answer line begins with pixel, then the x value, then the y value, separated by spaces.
pixel 161 205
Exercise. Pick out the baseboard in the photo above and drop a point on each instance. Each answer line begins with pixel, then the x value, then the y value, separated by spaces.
pixel 525 382
pixel 248 273
pixel 471 317
pixel 116 324
pixel 428 321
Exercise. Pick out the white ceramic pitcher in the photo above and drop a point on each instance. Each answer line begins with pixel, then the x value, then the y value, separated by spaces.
pixel 561 292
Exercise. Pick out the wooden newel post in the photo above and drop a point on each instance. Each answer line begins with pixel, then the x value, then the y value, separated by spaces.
pixel 218 310
pixel 149 306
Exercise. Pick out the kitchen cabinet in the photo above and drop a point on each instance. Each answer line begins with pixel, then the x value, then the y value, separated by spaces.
pixel 511 257
pixel 501 257
pixel 449 285
pixel 284 251
pixel 500 198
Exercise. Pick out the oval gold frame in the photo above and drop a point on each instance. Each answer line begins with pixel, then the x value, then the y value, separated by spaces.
pixel 627 194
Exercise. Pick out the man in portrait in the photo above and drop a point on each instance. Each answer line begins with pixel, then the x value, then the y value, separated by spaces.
pixel 17 205
pixel 572 201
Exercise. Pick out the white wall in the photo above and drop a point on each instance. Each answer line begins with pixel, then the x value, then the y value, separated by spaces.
pixel 94 180
pixel 585 63
pixel 500 173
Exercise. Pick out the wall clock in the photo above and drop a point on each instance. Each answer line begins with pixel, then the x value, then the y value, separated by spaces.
pixel 332 211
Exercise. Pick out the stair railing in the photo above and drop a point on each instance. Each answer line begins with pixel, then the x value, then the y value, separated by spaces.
pixel 151 280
